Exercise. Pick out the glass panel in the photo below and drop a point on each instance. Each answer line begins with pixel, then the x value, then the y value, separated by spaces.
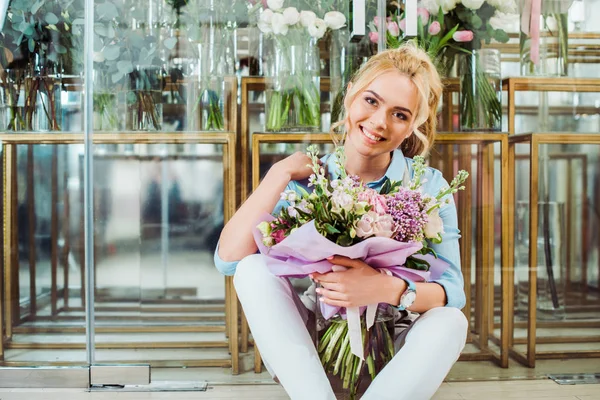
pixel 47 319
pixel 158 214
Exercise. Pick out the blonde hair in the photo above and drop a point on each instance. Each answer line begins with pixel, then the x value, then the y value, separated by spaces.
pixel 414 63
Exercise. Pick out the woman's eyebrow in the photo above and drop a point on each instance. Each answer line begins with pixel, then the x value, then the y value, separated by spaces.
pixel 378 97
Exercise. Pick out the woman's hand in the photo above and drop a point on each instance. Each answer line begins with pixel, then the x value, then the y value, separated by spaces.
pixel 296 167
pixel 358 286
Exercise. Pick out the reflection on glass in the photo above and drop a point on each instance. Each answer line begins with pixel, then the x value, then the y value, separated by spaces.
pixel 551 259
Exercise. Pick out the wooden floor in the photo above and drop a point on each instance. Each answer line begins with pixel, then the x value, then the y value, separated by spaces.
pixel 499 390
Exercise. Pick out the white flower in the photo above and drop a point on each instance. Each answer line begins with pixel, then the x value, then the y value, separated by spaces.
pixel 473 4
pixel 278 24
pixel 505 6
pixel 317 30
pixel 275 4
pixel 264 27
pixel 265 16
pixel 501 20
pixel 434 226
pixel 268 241
pixel 335 19
pixel 291 15
pixel 264 228
pixel 433 6
pixel 341 201
pixel 307 18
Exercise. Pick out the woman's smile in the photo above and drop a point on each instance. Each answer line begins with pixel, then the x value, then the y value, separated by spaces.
pixel 371 136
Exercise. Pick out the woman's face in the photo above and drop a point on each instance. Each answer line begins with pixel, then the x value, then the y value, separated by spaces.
pixel 381 116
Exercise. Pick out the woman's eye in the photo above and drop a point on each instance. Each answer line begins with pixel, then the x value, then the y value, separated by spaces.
pixel 371 101
pixel 400 116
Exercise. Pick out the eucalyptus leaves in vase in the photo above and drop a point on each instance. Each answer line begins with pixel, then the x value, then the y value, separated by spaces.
pixel 39 42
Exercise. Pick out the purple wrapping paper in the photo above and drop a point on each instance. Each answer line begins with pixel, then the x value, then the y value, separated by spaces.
pixel 305 251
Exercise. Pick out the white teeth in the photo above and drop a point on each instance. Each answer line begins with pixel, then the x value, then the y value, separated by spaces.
pixel 372 137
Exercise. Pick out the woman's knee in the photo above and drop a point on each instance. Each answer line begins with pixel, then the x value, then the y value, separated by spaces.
pixel 448 322
pixel 247 271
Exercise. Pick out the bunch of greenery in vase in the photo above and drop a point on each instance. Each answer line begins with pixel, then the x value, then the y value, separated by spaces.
pixel 40 41
pixel 127 57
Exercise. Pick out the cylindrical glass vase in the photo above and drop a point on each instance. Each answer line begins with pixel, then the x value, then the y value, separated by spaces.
pixel 480 91
pixel 144 99
pixel 293 102
pixel 550 263
pixel 544 51
pixel 348 374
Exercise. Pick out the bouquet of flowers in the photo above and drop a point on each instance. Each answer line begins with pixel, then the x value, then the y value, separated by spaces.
pixel 446 28
pixel 390 230
pixel 295 97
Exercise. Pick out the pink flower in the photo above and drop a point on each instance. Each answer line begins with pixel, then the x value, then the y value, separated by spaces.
pixel 402 25
pixel 393 29
pixel 374 199
pixel 278 236
pixel 364 227
pixel 384 226
pixel 423 14
pixel 463 36
pixel 434 28
pixel 373 37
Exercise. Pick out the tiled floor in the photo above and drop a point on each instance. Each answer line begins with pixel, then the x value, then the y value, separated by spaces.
pixel 499 390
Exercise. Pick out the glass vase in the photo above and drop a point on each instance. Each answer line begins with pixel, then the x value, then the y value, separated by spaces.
pixel 207 92
pixel 144 99
pixel 348 374
pixel 12 100
pixel 546 53
pixel 480 105
pixel 106 104
pixel 293 101
pixel 551 260
pixel 346 58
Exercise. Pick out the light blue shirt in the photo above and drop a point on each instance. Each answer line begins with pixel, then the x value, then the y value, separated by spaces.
pixel 452 279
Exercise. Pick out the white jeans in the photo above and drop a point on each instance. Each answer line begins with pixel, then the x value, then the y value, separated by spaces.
pixel 276 317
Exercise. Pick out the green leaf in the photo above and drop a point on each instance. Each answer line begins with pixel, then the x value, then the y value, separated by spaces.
pixel 170 43
pixel 124 67
pixel 501 36
pixel 100 29
pixel 107 11
pixel 475 21
pixel 60 49
pixel 78 21
pixel 330 228
pixel 111 52
pixel 51 18
pixel 31 45
pixel 36 6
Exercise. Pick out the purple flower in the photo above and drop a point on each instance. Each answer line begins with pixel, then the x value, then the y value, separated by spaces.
pixel 409 213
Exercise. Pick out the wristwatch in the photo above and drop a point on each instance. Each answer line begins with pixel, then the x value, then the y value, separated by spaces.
pixel 408 297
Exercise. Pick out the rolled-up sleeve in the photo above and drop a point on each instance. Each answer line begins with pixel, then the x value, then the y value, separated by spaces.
pixel 452 279
pixel 229 267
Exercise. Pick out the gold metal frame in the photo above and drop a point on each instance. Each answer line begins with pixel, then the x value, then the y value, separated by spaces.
pixel 9 142
pixel 535 140
pixel 485 236
pixel 540 84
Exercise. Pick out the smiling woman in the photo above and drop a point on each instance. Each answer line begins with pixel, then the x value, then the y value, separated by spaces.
pixel 389 115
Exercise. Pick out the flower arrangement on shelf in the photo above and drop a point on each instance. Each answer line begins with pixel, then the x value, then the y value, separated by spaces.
pixel 544 31
pixel 447 28
pixel 390 230
pixel 293 95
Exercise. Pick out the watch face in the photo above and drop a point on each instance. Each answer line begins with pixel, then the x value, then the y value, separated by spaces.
pixel 409 298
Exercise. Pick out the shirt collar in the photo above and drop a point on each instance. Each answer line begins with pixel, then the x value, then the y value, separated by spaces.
pixel 395 171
